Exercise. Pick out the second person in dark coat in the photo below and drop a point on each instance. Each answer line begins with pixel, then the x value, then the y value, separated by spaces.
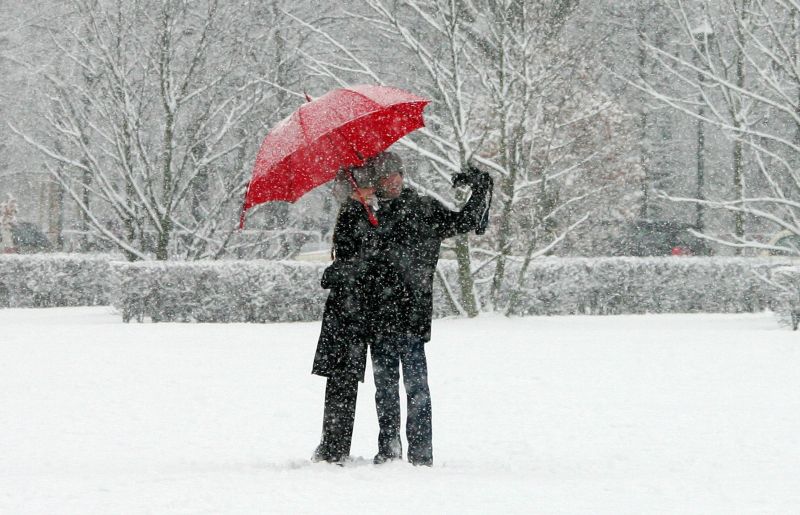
pixel 411 230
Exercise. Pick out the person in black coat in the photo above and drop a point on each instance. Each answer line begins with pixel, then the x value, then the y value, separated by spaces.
pixel 347 321
pixel 409 237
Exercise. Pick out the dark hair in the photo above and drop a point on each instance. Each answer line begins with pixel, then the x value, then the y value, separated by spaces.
pixel 335 229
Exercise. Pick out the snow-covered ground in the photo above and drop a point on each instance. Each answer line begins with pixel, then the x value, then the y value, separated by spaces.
pixel 630 414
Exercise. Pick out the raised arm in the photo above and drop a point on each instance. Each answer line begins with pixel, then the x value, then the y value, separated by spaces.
pixel 471 217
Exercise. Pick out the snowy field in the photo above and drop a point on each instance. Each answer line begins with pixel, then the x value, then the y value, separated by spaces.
pixel 630 414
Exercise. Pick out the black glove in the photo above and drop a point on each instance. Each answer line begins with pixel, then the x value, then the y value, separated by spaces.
pixel 482 185
pixel 471 177
pixel 338 274
pixel 332 276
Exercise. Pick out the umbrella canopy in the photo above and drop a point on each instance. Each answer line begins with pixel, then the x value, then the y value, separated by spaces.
pixel 340 129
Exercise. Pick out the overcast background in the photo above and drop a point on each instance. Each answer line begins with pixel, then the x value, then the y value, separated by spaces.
pixel 133 126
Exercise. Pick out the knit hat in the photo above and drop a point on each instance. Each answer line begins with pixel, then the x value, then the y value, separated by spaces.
pixel 376 168
pixel 384 164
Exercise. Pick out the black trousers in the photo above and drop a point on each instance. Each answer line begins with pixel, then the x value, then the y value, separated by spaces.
pixel 388 354
pixel 341 392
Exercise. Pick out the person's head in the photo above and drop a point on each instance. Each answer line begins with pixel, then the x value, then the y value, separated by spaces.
pixel 381 175
pixel 388 172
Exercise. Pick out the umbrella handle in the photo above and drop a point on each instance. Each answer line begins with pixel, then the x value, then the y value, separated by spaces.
pixel 370 214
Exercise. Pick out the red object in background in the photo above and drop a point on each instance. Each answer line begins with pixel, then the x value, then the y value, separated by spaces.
pixel 680 250
pixel 340 129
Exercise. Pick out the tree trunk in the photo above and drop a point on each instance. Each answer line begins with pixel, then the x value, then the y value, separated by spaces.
pixel 738 188
pixel 644 150
pixel 55 214
pixel 507 187
pixel 503 236
pixel 738 146
pixel 796 61
pixel 86 182
pixel 701 145
pixel 162 245
pixel 465 280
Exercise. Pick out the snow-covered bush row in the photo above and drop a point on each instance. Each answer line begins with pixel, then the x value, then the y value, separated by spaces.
pixel 619 285
pixel 48 280
pixel 228 291
pixel 219 291
pixel 258 291
pixel 786 283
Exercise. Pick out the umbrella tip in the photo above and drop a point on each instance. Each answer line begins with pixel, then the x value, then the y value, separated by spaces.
pixel 308 98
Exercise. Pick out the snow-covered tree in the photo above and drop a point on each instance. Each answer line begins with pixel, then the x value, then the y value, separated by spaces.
pixel 151 118
pixel 24 53
pixel 743 71
pixel 514 90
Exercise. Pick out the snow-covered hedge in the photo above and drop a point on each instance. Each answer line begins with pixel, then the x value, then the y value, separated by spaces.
pixel 219 291
pixel 786 283
pixel 256 291
pixel 620 285
pixel 276 291
pixel 48 280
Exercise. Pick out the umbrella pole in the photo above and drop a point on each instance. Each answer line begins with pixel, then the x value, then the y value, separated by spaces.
pixel 241 218
pixel 370 214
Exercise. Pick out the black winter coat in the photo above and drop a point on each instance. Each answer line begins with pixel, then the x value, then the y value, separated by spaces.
pixel 411 231
pixel 347 325
pixel 381 281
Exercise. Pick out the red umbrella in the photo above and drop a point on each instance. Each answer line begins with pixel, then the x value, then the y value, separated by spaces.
pixel 340 129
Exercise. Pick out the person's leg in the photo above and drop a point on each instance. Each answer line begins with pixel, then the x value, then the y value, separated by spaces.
pixel 419 430
pixel 386 371
pixel 341 392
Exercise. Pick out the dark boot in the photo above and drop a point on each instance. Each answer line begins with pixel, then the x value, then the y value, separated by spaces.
pixel 390 450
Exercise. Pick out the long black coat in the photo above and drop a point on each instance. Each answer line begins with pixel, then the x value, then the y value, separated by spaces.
pixel 347 325
pixel 382 279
